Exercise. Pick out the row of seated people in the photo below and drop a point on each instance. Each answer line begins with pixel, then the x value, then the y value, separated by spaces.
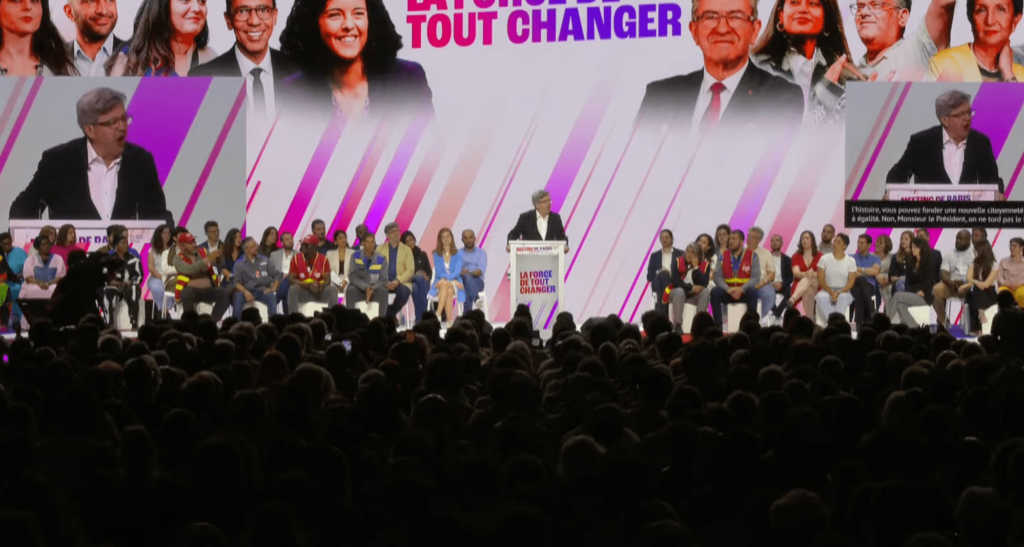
pixel 824 278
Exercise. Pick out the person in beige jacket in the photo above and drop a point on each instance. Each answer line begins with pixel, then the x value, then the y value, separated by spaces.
pixel 401 267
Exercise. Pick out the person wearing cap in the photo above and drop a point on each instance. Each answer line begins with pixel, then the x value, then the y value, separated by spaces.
pixel 310 277
pixel 368 280
pixel 197 278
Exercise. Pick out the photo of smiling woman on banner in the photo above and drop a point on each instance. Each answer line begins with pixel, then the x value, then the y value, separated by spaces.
pixel 30 44
pixel 170 40
pixel 347 51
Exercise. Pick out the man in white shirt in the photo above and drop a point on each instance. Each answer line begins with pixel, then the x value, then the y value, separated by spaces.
pixel 540 224
pixel 837 273
pixel 765 285
pixel 94 43
pixel 661 268
pixel 100 176
pixel 881 26
pixel 282 258
pixel 729 90
pixel 949 153
pixel 953 274
pixel 253 23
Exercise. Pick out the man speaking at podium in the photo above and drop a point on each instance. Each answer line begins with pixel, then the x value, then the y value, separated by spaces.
pixel 949 153
pixel 100 176
pixel 540 224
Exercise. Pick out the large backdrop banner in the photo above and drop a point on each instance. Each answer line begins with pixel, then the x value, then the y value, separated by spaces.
pixel 635 116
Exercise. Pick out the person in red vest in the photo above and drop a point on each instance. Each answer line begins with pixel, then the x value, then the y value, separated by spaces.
pixel 737 278
pixel 197 278
pixel 310 277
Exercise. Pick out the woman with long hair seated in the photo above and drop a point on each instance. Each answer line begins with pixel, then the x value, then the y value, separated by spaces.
pixel 126 285
pixel 170 39
pixel 232 249
pixel 447 285
pixel 42 271
pixel 981 278
pixel 899 263
pixel 347 51
pixel 160 270
pixel 805 273
pixel 920 280
pixel 268 243
pixel 883 250
pixel 804 42
pixel 340 259
pixel 67 241
pixel 30 44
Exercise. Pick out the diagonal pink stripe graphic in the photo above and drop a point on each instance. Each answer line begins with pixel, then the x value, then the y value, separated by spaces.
pixel 396 170
pixel 9 106
pixel 855 173
pixel 881 141
pixel 581 138
pixel 153 129
pixel 19 122
pixel 314 172
pixel 510 176
pixel 347 209
pixel 214 154
pixel 420 182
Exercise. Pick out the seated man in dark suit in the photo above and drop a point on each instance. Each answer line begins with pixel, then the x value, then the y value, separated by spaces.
pixel 264 68
pixel 97 177
pixel 662 267
pixel 948 152
pixel 540 224
pixel 94 42
pixel 729 90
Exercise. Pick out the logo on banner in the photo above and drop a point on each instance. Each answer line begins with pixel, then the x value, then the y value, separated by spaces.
pixel 537 282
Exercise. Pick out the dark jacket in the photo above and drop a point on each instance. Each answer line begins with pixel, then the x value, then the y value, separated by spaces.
pixel 422 262
pixel 526 228
pixel 227 65
pixel 654 264
pixel 760 99
pixel 922 160
pixel 61 184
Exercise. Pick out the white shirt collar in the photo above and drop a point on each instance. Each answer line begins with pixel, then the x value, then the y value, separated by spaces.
pixel 947 140
pixel 247 65
pixel 108 47
pixel 545 219
pixel 93 157
pixel 731 82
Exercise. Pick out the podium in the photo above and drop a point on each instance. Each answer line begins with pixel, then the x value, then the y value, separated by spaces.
pixel 537 271
pixel 91 233
pixel 942 192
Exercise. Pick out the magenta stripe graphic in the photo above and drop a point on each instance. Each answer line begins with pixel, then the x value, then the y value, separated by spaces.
pixel 163 110
pixel 11 101
pixel 20 121
pixel 420 182
pixel 881 141
pixel 759 185
pixel 586 182
pixel 393 176
pixel 551 316
pixel 314 172
pixel 998 106
pixel 260 155
pixel 361 178
pixel 577 145
pixel 600 203
pixel 212 160
pixel 510 176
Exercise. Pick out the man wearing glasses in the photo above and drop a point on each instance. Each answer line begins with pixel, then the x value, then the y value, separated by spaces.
pixel 729 90
pixel 881 25
pixel 252 22
pixel 100 176
pixel 949 153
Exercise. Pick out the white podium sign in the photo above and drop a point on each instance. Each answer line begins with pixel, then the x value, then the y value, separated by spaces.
pixel 92 234
pixel 942 192
pixel 537 271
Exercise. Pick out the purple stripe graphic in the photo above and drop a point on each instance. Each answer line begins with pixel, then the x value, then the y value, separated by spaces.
pixel 760 184
pixel 12 100
pixel 510 175
pixel 998 106
pixel 393 176
pixel 314 172
pixel 554 310
pixel 577 145
pixel 214 154
pixel 20 122
pixel 881 141
pixel 153 129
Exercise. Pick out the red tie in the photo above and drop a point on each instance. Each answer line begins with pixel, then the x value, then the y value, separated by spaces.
pixel 714 111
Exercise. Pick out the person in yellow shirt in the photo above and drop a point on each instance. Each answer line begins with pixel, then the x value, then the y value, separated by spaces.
pixel 989 57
